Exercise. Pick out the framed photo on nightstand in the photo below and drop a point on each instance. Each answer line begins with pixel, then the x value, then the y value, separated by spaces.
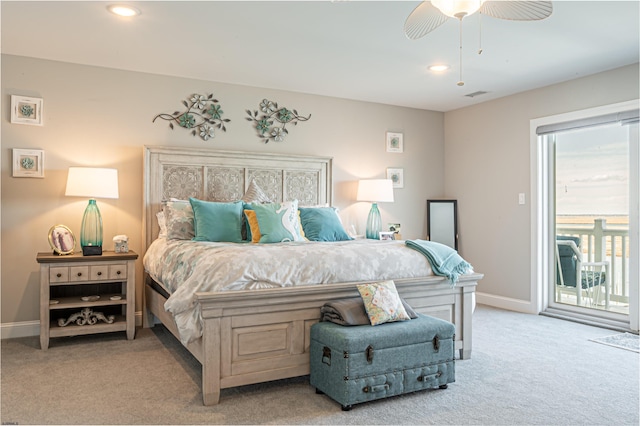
pixel 386 236
pixel 62 240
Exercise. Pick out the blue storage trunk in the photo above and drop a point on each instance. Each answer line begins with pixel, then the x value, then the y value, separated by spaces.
pixel 363 363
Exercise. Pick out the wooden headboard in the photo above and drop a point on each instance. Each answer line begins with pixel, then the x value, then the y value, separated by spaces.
pixel 225 175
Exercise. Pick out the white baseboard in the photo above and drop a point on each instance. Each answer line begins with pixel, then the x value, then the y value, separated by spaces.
pixel 517 305
pixel 14 330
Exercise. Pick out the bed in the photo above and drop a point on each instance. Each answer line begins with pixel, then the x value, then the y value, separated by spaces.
pixel 261 334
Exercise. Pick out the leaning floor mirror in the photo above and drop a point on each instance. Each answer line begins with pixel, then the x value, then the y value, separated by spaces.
pixel 442 222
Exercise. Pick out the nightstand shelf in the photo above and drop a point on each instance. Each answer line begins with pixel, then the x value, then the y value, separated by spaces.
pixel 119 324
pixel 76 302
pixel 67 279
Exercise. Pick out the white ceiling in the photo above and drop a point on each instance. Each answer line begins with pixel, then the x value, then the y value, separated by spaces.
pixel 347 49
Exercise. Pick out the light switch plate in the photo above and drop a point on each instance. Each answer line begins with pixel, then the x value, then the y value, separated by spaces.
pixel 521 199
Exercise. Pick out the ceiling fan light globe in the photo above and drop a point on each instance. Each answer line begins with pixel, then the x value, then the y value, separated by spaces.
pixel 457 8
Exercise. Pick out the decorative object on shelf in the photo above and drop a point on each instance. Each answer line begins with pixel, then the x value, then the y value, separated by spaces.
pixel 376 191
pixel 62 240
pixel 26 110
pixel 396 176
pixel 203 116
pixel 266 123
pixel 395 228
pixel 90 298
pixel 86 317
pixel 395 142
pixel 28 163
pixel 94 183
pixel 386 235
pixel 121 244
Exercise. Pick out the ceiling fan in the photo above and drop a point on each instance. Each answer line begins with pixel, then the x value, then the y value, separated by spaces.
pixel 429 15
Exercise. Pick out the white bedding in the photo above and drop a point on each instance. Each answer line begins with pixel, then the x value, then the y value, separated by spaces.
pixel 187 267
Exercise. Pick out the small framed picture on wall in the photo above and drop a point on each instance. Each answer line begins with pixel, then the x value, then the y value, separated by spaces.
pixel 394 142
pixel 26 110
pixel 28 163
pixel 396 176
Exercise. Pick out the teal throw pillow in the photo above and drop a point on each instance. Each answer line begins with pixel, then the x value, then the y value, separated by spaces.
pixel 278 222
pixel 219 222
pixel 322 224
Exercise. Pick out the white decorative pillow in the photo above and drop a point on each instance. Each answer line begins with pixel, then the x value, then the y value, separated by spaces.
pixel 382 302
pixel 255 194
pixel 178 216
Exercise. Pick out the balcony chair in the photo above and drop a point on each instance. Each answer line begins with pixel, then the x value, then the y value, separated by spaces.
pixel 594 277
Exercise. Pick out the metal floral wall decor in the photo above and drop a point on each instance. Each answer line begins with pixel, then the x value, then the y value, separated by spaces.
pixel 203 116
pixel 271 125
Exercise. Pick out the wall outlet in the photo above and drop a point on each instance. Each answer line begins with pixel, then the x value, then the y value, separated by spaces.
pixel 521 199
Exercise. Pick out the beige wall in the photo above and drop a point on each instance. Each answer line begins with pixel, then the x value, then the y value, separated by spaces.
pixel 103 117
pixel 487 163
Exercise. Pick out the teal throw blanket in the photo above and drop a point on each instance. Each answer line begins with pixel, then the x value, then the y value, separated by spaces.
pixel 445 261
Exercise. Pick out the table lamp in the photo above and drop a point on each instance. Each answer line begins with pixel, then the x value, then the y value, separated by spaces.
pixel 376 191
pixel 94 183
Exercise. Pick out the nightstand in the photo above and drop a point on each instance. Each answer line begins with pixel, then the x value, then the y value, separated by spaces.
pixel 86 294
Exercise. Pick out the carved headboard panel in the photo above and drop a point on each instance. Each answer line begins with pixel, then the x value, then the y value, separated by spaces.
pixel 225 175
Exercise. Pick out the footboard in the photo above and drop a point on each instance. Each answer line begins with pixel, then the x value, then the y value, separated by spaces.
pixel 257 336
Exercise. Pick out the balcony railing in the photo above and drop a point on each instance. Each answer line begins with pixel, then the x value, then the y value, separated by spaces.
pixel 599 243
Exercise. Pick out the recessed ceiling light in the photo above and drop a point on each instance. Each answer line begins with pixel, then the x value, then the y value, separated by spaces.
pixel 438 68
pixel 122 10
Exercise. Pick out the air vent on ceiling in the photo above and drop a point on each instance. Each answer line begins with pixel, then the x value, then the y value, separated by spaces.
pixel 478 93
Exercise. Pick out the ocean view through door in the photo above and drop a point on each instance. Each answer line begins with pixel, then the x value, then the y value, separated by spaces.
pixel 592 188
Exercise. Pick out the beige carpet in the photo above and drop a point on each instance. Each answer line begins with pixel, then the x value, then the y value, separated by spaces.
pixel 525 369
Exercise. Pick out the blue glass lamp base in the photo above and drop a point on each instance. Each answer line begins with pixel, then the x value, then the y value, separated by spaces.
pixel 91 230
pixel 374 223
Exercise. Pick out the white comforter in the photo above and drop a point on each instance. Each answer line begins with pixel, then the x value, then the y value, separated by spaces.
pixel 187 267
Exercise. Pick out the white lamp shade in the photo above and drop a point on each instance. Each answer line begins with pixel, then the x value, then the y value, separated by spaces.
pixel 92 182
pixel 375 190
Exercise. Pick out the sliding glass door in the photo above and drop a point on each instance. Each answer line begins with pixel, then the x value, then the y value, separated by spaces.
pixel 588 217
pixel 591 202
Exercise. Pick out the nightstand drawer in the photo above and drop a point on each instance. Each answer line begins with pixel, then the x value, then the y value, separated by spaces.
pixel 79 273
pixel 99 272
pixel 59 275
pixel 118 272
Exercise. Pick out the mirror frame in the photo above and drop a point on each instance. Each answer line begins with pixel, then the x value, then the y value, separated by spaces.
pixel 55 245
pixel 430 219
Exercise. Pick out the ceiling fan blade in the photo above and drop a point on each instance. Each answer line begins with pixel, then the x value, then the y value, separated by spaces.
pixel 424 19
pixel 517 10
